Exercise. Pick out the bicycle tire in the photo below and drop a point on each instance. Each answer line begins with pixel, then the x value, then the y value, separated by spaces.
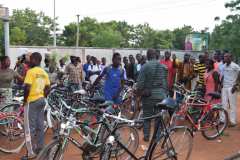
pixel 106 154
pixel 131 142
pixel 52 151
pixel 235 156
pixel 12 133
pixel 210 116
pixel 173 151
pixel 14 107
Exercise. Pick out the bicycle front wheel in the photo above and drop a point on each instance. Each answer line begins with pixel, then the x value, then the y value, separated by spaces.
pixel 11 133
pixel 214 123
pixel 178 146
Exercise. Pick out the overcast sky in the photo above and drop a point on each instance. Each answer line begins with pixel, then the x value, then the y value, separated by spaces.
pixel 160 14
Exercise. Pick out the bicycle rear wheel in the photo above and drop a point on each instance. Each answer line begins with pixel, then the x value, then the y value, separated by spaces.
pixel 177 146
pixel 11 133
pixel 214 123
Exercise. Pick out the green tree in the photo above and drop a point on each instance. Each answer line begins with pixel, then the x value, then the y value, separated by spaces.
pixel 227 34
pixel 88 28
pixel 107 38
pixel 17 36
pixel 180 35
pixel 36 27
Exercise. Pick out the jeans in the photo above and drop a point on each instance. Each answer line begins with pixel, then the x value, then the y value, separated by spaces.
pixel 34 126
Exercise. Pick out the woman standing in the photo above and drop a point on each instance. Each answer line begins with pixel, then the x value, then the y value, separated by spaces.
pixel 7 76
pixel 211 78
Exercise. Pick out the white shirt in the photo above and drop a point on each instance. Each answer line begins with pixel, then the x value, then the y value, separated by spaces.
pixel 61 69
pixel 93 68
pixel 230 74
pixel 139 67
pixel 102 67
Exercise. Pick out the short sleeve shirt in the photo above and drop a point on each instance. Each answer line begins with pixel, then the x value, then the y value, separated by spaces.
pixel 7 76
pixel 38 79
pixel 93 68
pixel 112 85
pixel 75 73
pixel 200 68
pixel 230 74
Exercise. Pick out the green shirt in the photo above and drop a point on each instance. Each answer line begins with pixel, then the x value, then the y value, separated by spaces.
pixel 153 76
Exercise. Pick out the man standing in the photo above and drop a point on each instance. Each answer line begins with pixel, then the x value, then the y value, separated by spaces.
pixel 125 63
pixel 74 72
pixel 199 70
pixel 139 59
pixel 185 72
pixel 132 69
pixel 94 70
pixel 114 78
pixel 171 65
pixel 152 86
pixel 62 65
pixel 103 65
pixel 85 67
pixel 37 87
pixel 229 95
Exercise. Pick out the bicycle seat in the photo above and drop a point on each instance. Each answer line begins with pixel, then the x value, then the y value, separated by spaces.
pixel 168 104
pixel 214 95
pixel 97 99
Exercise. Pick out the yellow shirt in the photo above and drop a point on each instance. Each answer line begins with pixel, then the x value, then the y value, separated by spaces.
pixel 38 79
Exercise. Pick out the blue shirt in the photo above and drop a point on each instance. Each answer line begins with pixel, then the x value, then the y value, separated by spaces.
pixel 85 69
pixel 113 78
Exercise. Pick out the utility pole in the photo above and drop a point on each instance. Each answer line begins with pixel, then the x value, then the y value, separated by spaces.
pixel 54 25
pixel 77 38
pixel 4 15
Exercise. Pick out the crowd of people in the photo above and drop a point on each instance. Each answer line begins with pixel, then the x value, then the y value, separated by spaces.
pixel 154 75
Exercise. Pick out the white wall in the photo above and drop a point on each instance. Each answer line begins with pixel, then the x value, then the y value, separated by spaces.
pixel 16 51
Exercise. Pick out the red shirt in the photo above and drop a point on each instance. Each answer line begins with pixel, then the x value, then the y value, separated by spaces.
pixel 171 71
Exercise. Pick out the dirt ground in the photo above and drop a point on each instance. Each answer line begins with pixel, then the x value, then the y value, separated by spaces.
pixel 203 149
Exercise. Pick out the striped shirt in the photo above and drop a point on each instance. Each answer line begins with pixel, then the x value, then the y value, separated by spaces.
pixel 153 76
pixel 200 69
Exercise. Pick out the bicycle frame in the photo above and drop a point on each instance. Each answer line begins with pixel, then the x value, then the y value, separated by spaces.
pixel 159 124
pixel 203 106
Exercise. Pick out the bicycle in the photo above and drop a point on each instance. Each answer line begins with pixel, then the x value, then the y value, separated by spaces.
pixel 130 106
pixel 163 144
pixel 210 119
pixel 94 138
